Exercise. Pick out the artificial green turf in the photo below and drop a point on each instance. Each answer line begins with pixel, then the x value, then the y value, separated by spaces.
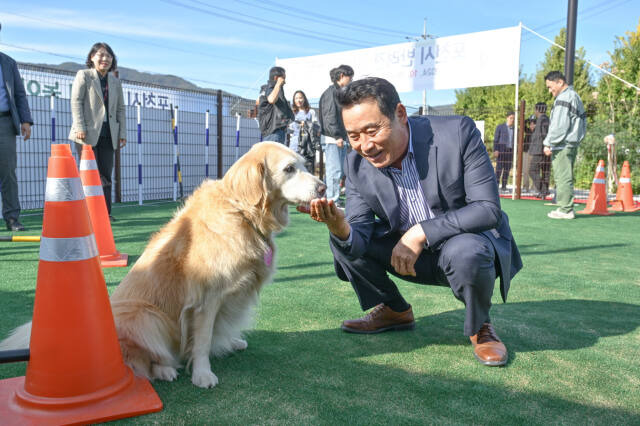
pixel 571 325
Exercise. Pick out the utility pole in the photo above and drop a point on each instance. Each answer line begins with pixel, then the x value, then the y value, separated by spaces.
pixel 570 45
pixel 424 36
pixel 425 110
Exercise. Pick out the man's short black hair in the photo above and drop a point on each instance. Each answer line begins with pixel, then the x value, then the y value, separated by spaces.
pixel 555 76
pixel 276 72
pixel 371 88
pixel 509 113
pixel 337 73
pixel 541 107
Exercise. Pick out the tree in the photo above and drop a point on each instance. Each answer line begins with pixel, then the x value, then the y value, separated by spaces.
pixel 619 105
pixel 554 61
pixel 491 103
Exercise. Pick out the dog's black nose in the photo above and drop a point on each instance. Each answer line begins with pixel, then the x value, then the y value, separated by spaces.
pixel 321 189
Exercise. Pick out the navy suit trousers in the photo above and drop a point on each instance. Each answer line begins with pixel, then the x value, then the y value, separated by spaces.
pixel 465 263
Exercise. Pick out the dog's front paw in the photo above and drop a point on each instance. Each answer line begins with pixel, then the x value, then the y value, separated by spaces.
pixel 204 379
pixel 239 344
pixel 164 372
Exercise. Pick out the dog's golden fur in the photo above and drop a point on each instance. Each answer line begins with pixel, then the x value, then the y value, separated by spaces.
pixel 191 293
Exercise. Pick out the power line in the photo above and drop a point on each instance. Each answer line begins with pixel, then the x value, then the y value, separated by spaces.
pixel 305 15
pixel 586 60
pixel 47 52
pixel 162 46
pixel 42 51
pixel 334 19
pixel 582 15
pixel 586 13
pixel 262 20
pixel 268 27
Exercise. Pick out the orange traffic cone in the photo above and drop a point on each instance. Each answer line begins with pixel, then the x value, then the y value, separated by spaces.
pixel 624 196
pixel 109 256
pixel 75 372
pixel 597 202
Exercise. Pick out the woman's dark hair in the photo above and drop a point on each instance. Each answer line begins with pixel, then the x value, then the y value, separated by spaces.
pixel 373 88
pixel 276 72
pixel 337 73
pixel 95 48
pixel 305 105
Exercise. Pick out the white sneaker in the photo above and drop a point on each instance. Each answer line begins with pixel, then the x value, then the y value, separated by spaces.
pixel 557 214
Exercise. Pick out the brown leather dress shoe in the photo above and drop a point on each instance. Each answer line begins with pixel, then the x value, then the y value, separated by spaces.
pixel 379 319
pixel 488 348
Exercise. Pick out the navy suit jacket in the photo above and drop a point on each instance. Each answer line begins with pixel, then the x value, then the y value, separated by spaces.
pixel 458 182
pixel 18 104
pixel 501 139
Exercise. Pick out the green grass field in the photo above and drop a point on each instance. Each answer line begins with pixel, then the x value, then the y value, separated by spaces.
pixel 571 324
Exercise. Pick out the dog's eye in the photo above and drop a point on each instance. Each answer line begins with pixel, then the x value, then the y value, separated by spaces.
pixel 289 169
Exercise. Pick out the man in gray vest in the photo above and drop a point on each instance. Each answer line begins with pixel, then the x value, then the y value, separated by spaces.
pixel 15 119
pixel 567 128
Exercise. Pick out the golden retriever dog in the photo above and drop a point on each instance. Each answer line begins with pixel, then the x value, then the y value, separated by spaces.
pixel 192 292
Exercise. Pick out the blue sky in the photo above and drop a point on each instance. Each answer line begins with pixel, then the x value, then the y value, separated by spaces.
pixel 231 45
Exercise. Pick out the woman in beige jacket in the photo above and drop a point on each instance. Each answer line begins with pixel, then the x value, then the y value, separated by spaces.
pixel 104 128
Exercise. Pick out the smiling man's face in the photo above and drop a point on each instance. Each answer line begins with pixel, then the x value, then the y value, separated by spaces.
pixel 381 141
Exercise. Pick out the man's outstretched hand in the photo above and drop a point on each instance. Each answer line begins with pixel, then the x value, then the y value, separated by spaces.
pixel 327 212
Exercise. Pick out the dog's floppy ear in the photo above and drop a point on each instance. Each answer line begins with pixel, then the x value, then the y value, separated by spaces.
pixel 246 179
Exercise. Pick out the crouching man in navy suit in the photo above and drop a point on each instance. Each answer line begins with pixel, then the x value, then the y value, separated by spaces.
pixel 422 204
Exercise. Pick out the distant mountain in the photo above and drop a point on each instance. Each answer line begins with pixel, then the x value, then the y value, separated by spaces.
pixel 142 77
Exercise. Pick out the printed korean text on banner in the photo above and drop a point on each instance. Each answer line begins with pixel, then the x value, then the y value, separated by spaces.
pixel 486 58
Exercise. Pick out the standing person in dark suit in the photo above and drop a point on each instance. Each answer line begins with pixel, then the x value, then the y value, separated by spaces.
pixel 423 205
pixel 503 149
pixel 540 165
pixel 15 119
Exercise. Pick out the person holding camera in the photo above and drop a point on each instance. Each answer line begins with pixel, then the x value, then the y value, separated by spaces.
pixel 274 112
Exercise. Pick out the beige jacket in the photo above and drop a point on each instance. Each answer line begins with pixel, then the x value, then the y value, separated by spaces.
pixel 87 108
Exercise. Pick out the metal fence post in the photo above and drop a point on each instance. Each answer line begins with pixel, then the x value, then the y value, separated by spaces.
pixel 175 154
pixel 53 118
pixel 139 155
pixel 219 128
pixel 517 178
pixel 237 134
pixel 206 144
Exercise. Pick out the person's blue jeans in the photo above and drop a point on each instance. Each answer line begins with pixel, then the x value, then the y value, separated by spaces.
pixel 334 158
pixel 278 136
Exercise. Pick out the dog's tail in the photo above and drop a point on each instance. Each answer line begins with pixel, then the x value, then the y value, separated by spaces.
pixel 146 335
pixel 18 339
